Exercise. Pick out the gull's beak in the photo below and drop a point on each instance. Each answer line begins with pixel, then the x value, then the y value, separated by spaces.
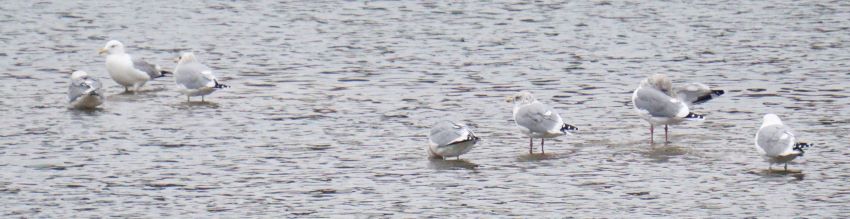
pixel 102 51
pixel 509 99
pixel 177 59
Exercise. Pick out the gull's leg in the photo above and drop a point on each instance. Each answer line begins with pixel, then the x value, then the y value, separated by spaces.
pixel 786 167
pixel 530 144
pixel 541 147
pixel 651 134
pixel 188 99
pixel 126 89
pixel 665 135
pixel 770 167
pixel 202 99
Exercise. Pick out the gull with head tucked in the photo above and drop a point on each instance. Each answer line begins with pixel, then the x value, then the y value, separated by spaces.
pixel 126 70
pixel 537 120
pixel 656 102
pixel 450 139
pixel 776 143
pixel 194 78
pixel 84 92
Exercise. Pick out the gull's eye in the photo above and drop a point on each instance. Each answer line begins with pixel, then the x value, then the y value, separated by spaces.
pixel 113 46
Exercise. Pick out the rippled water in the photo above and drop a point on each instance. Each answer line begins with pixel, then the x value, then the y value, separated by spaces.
pixel 330 104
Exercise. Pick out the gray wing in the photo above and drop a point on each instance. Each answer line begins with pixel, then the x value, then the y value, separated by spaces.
pixel 775 139
pixel 696 93
pixel 657 103
pixel 445 132
pixel 146 67
pixel 83 86
pixel 95 86
pixel 538 117
pixel 191 75
pixel 76 89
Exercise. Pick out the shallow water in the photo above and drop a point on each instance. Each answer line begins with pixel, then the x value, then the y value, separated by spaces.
pixel 330 104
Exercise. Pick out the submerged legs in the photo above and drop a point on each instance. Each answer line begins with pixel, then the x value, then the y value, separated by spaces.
pixel 541 147
pixel 651 133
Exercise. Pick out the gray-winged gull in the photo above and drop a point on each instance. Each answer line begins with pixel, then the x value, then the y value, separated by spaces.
pixel 776 143
pixel 537 120
pixel 194 78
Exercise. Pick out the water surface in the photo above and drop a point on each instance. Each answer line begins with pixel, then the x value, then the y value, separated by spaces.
pixel 330 104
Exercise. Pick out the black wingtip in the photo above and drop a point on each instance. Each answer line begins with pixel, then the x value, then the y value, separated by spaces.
pixel 219 85
pixel 694 116
pixel 163 73
pixel 707 97
pixel 567 127
pixel 802 145
pixel 717 92
pixel 472 138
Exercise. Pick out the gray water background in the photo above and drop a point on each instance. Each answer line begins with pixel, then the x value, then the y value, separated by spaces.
pixel 331 101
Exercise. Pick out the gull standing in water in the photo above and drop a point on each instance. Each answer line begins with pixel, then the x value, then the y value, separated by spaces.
pixel 655 102
pixel 194 78
pixel 126 70
pixel 84 91
pixel 450 139
pixel 776 143
pixel 537 120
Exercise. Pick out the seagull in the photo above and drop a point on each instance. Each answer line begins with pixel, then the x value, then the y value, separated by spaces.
pixel 655 102
pixel 450 139
pixel 126 70
pixel 776 143
pixel 194 78
pixel 537 120
pixel 84 91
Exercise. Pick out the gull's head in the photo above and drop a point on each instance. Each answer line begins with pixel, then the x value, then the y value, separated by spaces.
pixel 112 47
pixel 521 98
pixel 771 119
pixel 77 75
pixel 186 57
pixel 660 82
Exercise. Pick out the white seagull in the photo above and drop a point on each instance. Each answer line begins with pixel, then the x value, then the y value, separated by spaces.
pixel 537 120
pixel 194 78
pixel 656 102
pixel 776 143
pixel 126 70
pixel 84 92
pixel 450 139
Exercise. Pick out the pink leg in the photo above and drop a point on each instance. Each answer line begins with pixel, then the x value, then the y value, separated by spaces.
pixel 541 147
pixel 651 134
pixel 665 135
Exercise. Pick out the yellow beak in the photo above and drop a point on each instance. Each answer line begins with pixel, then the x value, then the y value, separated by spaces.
pixel 102 51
